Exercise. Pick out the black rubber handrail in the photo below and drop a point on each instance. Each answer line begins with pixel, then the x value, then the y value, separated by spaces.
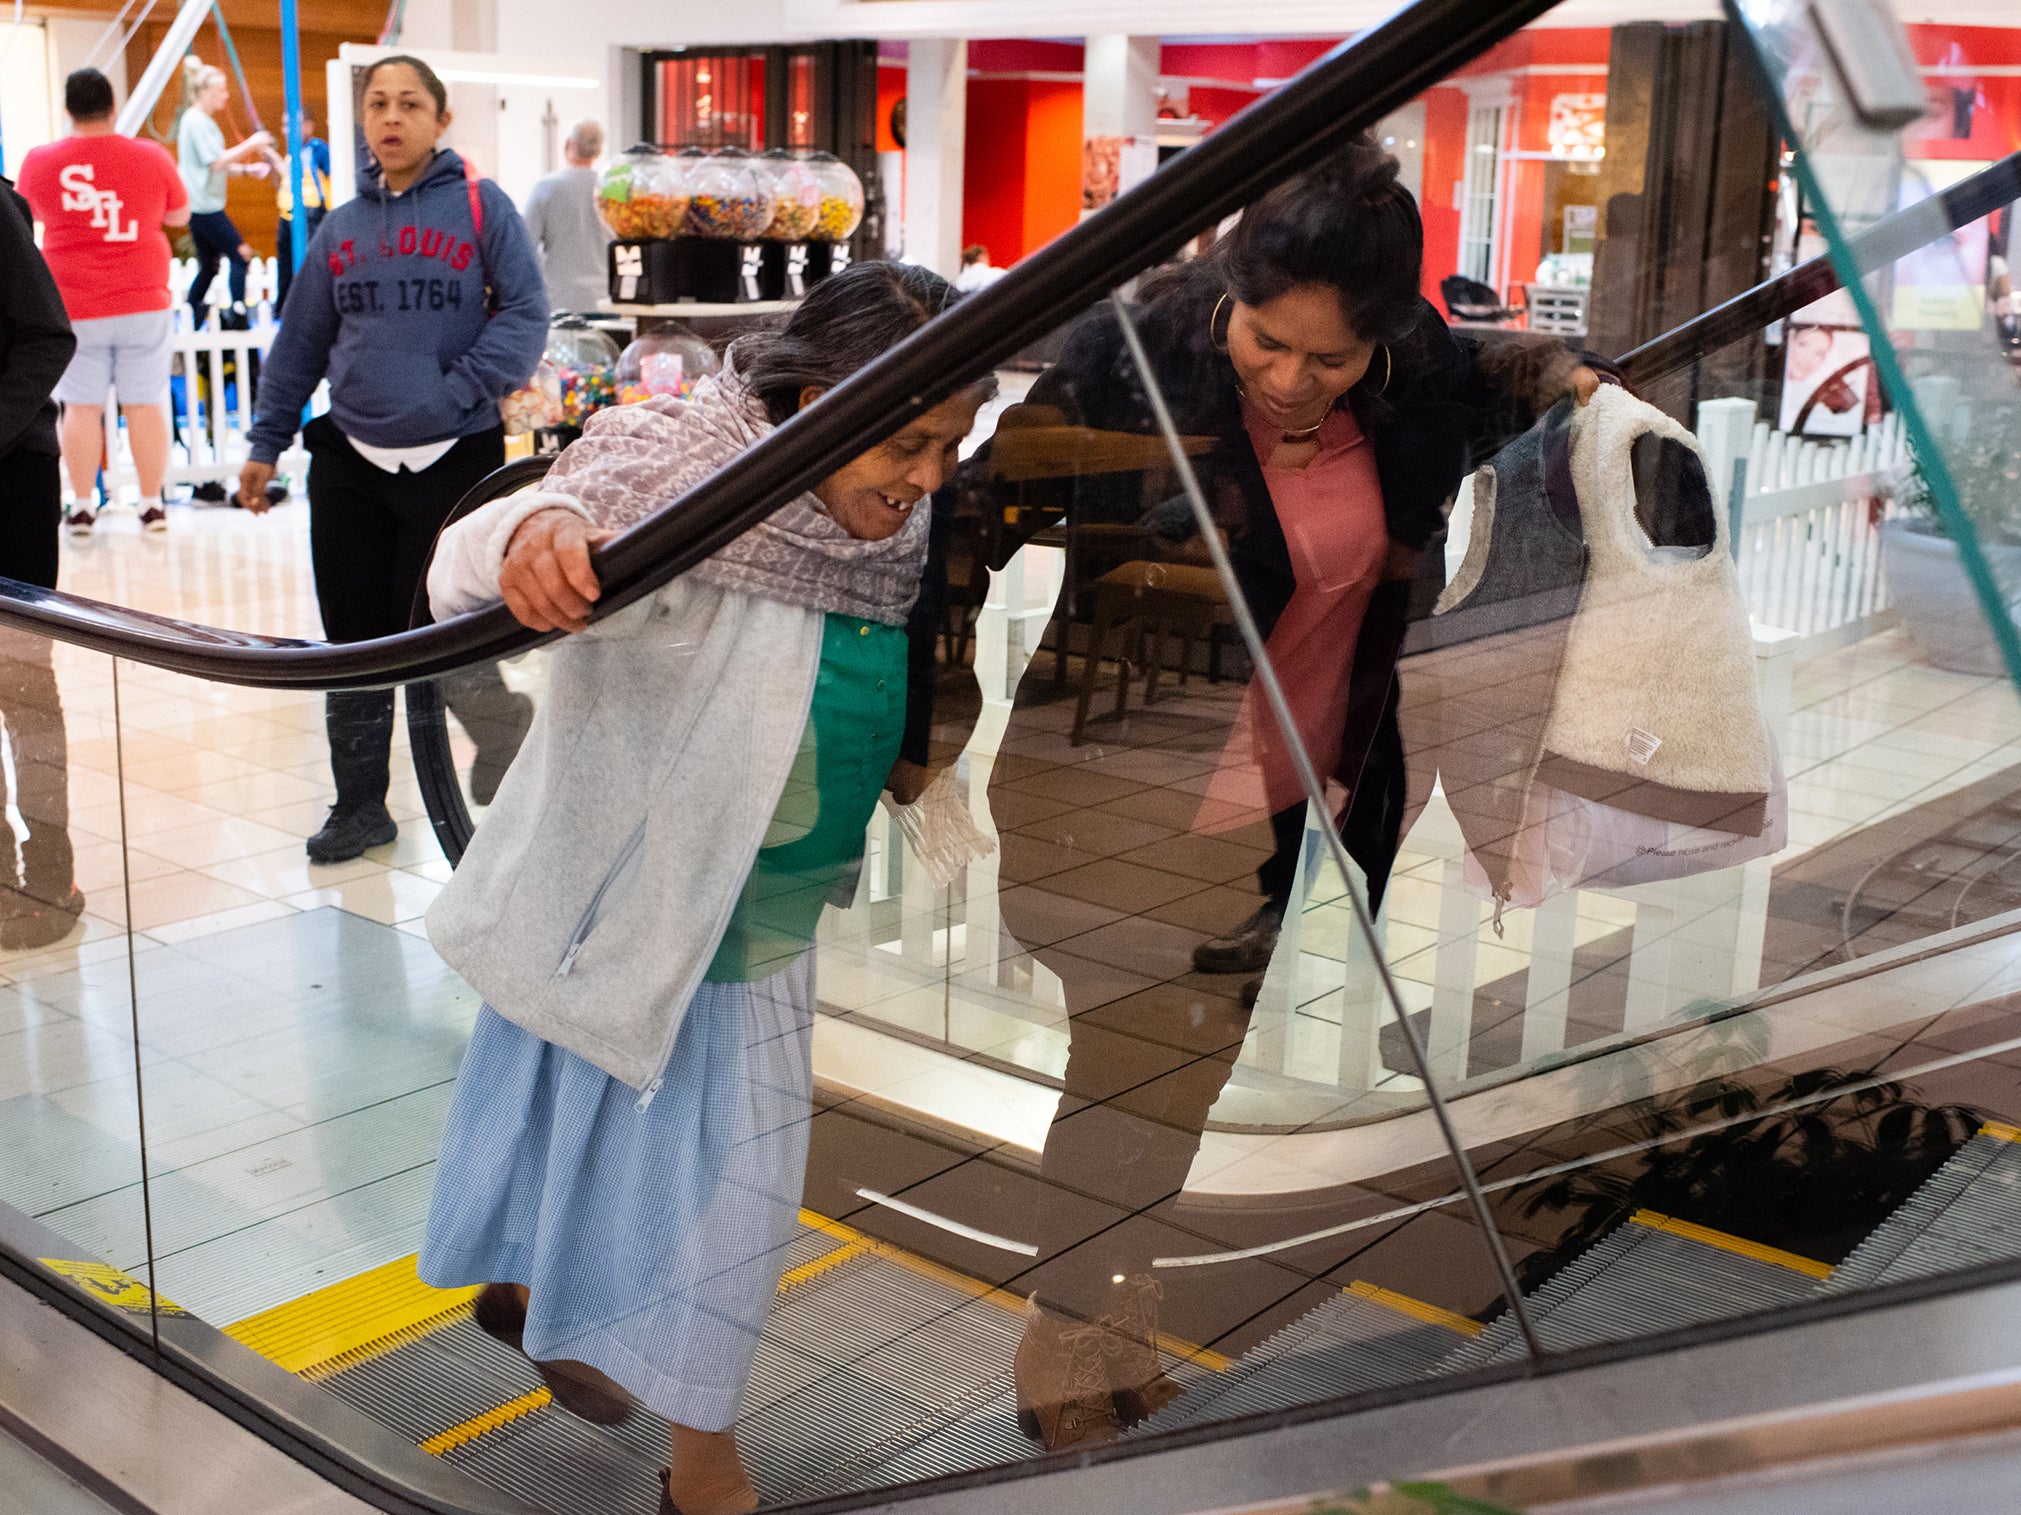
pixel 1345 92
pixel 1892 237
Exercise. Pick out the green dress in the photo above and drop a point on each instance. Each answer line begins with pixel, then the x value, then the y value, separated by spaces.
pixel 815 838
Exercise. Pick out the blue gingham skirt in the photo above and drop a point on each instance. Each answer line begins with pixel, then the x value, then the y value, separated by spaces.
pixel 651 1240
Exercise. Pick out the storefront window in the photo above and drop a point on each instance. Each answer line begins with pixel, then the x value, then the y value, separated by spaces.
pixel 1481 194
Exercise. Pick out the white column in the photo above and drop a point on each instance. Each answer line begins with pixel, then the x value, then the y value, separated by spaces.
pixel 1119 98
pixel 936 124
pixel 1119 95
pixel 473 28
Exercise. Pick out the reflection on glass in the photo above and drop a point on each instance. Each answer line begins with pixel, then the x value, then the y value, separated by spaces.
pixel 1090 1113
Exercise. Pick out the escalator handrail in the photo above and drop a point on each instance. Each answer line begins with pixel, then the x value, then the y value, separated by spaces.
pixel 1346 91
pixel 1892 237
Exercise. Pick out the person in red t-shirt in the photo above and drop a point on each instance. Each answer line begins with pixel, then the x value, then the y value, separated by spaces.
pixel 102 200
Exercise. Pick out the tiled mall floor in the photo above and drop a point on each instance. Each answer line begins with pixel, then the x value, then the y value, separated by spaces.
pixel 222 785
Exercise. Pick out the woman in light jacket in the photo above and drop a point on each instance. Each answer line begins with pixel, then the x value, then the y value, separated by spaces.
pixel 623 1161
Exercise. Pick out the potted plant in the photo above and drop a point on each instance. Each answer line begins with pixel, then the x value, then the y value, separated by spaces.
pixel 1932 594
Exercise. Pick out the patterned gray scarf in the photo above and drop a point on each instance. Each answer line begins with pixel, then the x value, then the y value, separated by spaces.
pixel 634 460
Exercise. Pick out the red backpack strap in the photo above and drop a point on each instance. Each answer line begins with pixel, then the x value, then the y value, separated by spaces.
pixel 471 181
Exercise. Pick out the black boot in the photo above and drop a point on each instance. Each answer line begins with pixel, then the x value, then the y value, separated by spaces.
pixel 360 724
pixel 497 720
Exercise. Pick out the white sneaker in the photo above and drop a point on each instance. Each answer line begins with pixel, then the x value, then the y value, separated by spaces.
pixel 81 520
pixel 154 518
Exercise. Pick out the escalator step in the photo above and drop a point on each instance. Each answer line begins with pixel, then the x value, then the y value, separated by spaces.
pixel 1643 1277
pixel 1967 1212
pixel 1348 1343
pixel 873 1367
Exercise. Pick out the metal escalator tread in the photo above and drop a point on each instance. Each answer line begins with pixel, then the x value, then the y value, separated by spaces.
pixel 1638 1279
pixel 1346 1344
pixel 869 1371
pixel 1967 1212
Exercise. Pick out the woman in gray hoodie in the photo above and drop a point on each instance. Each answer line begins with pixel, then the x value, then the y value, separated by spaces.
pixel 624 1156
pixel 421 302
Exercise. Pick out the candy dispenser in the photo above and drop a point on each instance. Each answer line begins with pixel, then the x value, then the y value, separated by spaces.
pixel 727 199
pixel 642 195
pixel 534 406
pixel 668 359
pixel 796 197
pixel 585 362
pixel 841 210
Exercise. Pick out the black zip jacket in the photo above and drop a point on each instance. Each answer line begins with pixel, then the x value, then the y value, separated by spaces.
pixel 35 337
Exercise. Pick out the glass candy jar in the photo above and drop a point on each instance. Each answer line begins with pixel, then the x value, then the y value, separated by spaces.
pixel 841 209
pixel 642 195
pixel 585 361
pixel 665 361
pixel 796 197
pixel 727 197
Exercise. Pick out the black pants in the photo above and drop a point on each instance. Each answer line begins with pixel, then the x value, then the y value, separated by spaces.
pixel 217 241
pixel 370 534
pixel 31 707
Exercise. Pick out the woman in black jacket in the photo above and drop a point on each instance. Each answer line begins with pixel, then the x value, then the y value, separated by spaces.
pixel 1328 411
pixel 35 346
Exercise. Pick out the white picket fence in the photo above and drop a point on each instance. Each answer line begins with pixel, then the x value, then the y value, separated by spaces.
pixel 1806 519
pixel 263 288
pixel 212 391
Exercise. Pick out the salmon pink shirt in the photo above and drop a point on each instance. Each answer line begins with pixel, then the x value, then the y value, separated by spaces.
pixel 1331 512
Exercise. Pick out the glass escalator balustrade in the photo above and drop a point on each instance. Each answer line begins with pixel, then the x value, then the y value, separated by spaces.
pixel 1615 939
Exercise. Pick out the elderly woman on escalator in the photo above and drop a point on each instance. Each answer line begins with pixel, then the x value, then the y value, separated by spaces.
pixel 623 1161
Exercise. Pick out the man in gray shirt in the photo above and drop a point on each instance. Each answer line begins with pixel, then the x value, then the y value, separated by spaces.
pixel 568 234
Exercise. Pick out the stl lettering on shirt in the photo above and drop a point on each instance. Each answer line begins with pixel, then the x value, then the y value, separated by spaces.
pixel 104 205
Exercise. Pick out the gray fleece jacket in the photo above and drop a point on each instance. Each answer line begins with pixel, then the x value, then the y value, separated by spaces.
pixel 594 895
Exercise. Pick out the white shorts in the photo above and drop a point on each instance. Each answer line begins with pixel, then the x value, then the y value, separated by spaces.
pixel 127 354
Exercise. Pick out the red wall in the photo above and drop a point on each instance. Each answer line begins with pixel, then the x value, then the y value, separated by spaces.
pixel 1052 163
pixel 1996 114
pixel 1021 176
pixel 1446 134
pixel 1445 143
pixel 890 90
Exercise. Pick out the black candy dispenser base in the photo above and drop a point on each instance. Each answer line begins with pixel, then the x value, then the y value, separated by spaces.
pixel 713 271
pixel 646 273
pixel 825 258
pixel 721 272
pixel 787 270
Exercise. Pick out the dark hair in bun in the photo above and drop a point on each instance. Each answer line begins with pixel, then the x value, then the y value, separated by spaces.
pixel 1346 223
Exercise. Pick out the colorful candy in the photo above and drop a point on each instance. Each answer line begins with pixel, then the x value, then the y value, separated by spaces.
pixel 837 220
pixel 735 217
pixel 793 220
pixel 644 217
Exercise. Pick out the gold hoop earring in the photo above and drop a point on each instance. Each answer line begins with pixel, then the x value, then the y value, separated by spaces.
pixel 1217 341
pixel 1388 370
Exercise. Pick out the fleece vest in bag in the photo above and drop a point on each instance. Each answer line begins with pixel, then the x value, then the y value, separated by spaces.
pixel 1656 710
pixel 1590 707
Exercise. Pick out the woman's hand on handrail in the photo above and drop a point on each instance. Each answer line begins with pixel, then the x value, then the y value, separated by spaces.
pixel 546 577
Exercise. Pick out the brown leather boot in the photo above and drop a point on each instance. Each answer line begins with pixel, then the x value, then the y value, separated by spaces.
pixel 1137 1377
pixel 1063 1394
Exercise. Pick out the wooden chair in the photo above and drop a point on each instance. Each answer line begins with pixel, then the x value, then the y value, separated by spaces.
pixel 1145 602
